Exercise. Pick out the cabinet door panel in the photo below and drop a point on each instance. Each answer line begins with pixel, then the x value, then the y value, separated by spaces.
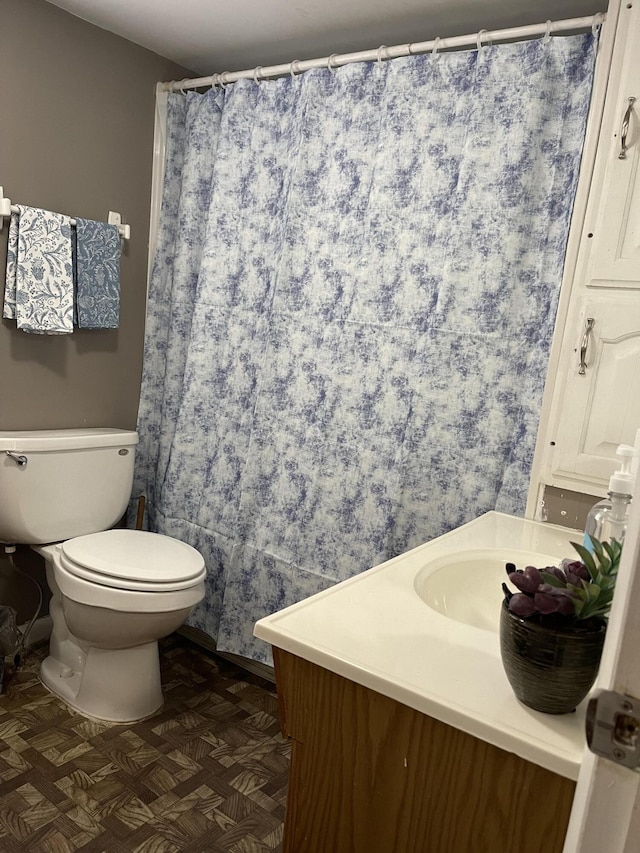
pixel 616 254
pixel 370 775
pixel 615 208
pixel 601 408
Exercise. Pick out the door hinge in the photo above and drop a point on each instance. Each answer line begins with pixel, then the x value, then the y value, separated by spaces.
pixel 613 727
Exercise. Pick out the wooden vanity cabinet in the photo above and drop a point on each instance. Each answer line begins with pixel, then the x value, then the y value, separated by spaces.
pixel 370 775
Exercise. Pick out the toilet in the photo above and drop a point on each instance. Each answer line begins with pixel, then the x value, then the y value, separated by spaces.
pixel 115 592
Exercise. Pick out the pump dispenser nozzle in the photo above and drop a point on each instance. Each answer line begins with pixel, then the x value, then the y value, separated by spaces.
pixel 635 462
pixel 607 520
pixel 622 481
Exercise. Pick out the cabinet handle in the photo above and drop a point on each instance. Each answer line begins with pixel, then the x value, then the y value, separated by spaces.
pixel 624 130
pixel 585 344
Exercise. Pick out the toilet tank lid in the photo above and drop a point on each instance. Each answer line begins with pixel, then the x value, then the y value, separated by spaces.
pixel 65 439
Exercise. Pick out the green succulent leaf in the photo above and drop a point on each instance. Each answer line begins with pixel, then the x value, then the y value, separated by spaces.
pixel 587 558
pixel 591 597
pixel 552 580
pixel 580 605
pixel 601 555
pixel 592 591
pixel 596 608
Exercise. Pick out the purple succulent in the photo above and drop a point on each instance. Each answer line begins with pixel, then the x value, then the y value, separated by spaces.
pixel 541 591
pixel 578 590
pixel 557 573
pixel 578 569
pixel 527 581
pixel 546 602
pixel 522 605
pixel 566 606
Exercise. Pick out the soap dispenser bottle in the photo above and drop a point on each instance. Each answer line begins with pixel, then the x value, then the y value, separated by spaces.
pixel 608 518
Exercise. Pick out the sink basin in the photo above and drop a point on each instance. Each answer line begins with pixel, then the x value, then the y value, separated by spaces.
pixel 466 586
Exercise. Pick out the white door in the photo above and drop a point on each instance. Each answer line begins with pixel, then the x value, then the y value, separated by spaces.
pixel 601 389
pixel 616 233
pixel 606 808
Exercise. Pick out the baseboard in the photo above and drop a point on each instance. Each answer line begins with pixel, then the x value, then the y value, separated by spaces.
pixel 253 666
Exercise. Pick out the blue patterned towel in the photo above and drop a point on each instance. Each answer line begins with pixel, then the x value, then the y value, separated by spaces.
pixel 98 275
pixel 39 281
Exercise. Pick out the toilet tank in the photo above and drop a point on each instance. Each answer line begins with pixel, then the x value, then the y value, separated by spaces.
pixel 60 483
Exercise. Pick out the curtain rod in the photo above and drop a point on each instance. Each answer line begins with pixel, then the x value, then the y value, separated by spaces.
pixel 383 52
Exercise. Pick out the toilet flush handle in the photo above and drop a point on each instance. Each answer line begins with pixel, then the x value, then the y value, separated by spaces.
pixel 18 458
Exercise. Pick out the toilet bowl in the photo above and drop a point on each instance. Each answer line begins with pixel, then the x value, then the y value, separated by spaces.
pixel 114 595
pixel 115 592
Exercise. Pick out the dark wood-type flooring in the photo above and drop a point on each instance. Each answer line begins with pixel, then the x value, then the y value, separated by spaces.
pixel 207 773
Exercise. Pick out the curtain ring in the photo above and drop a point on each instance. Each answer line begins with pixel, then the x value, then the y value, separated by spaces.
pixel 546 38
pixel 256 74
pixel 330 64
pixel 222 80
pixel 479 39
pixel 380 55
pixel 180 86
pixel 436 45
pixel 293 67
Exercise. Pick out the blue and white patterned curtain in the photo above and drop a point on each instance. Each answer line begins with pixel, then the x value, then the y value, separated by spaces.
pixel 350 314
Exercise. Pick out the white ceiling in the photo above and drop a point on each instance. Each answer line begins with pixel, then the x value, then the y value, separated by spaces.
pixel 210 36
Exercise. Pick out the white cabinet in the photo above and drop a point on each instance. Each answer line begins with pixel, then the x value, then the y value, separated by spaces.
pixel 601 400
pixel 589 411
pixel 615 257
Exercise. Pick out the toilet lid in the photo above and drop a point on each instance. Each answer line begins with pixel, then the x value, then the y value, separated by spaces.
pixel 133 559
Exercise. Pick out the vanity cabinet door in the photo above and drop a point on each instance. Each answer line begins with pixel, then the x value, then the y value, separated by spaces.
pixel 600 393
pixel 615 259
pixel 370 775
pixel 613 226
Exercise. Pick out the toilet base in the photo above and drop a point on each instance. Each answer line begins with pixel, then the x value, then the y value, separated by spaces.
pixel 115 685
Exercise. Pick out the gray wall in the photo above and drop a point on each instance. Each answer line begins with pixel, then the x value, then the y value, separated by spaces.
pixel 76 136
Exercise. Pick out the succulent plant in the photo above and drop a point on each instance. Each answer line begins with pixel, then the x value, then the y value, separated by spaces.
pixel 578 591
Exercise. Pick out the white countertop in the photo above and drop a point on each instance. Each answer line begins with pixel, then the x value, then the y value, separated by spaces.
pixel 374 629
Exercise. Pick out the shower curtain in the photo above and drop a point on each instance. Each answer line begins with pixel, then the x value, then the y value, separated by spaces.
pixel 350 312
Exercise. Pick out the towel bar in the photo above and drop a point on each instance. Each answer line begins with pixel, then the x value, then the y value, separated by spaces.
pixel 6 209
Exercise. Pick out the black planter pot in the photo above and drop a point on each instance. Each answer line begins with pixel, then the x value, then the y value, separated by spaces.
pixel 550 669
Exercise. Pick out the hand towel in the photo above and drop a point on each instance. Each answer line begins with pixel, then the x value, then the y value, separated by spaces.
pixel 9 308
pixel 39 281
pixel 98 274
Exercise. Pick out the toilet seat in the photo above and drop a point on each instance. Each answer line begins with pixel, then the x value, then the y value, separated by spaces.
pixel 133 560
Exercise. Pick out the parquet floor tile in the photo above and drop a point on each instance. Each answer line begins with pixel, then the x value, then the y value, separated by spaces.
pixel 206 774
